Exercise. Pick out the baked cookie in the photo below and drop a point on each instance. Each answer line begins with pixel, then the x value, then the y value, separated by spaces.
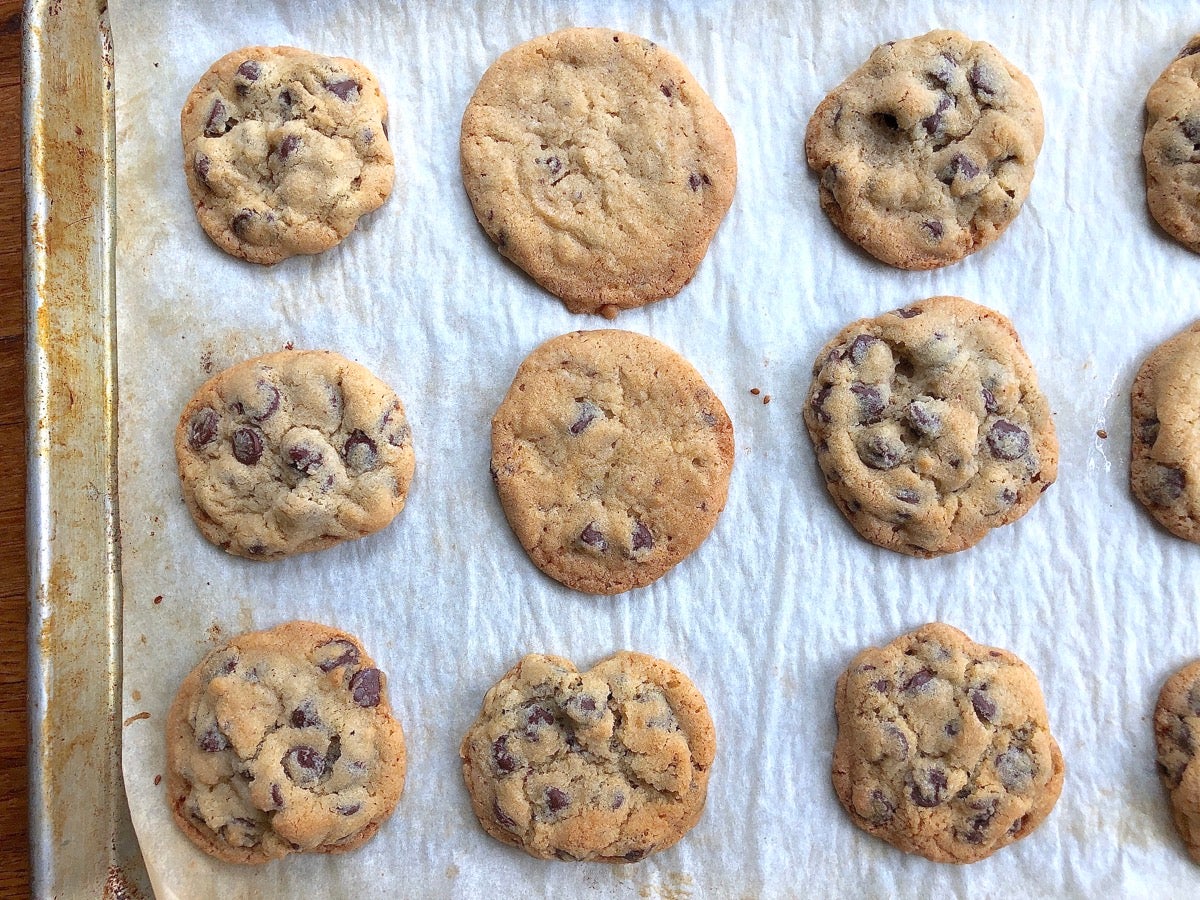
pixel 284 150
pixel 925 154
pixel 610 764
pixel 611 457
pixel 943 747
pixel 283 741
pixel 1177 736
pixel 1171 148
pixel 929 426
pixel 597 164
pixel 291 452
pixel 1164 465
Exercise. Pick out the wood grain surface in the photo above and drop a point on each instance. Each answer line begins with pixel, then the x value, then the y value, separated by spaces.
pixel 14 723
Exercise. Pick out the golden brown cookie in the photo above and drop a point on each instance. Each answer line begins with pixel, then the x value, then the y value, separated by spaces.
pixel 610 764
pixel 1171 147
pixel 1177 737
pixel 284 150
pixel 929 426
pixel 611 457
pixel 926 153
pixel 291 452
pixel 597 164
pixel 943 746
pixel 283 741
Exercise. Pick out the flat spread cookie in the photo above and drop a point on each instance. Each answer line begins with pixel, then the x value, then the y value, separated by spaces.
pixel 929 426
pixel 610 764
pixel 926 153
pixel 291 452
pixel 1165 459
pixel 1171 148
pixel 283 741
pixel 611 457
pixel 1177 735
pixel 597 164
pixel 943 746
pixel 284 150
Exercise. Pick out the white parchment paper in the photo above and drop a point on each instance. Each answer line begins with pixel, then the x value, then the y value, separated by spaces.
pixel 1086 588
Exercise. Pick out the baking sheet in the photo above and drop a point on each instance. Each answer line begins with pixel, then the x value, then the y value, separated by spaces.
pixel 1086 588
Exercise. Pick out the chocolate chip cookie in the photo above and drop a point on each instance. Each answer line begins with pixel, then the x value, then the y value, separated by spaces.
pixel 926 153
pixel 929 426
pixel 284 150
pixel 1171 148
pixel 283 741
pixel 1177 736
pixel 1164 464
pixel 597 164
pixel 943 746
pixel 611 457
pixel 611 764
pixel 291 452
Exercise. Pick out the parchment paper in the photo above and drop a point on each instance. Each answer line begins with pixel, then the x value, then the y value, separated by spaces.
pixel 1086 588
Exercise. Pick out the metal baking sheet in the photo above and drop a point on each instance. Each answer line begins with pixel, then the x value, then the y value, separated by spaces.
pixel 81 838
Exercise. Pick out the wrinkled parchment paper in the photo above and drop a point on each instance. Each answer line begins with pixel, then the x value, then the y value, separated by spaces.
pixel 1086 588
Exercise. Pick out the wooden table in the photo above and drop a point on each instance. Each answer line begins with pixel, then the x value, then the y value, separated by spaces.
pixel 14 724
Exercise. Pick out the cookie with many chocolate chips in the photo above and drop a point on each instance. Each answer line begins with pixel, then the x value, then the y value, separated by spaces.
pixel 283 741
pixel 1171 147
pixel 611 457
pixel 597 164
pixel 610 765
pixel 284 150
pixel 943 746
pixel 1164 465
pixel 291 452
pixel 926 153
pixel 929 426
pixel 1177 736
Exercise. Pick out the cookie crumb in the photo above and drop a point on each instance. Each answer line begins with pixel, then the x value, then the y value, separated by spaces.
pixel 157 780
pixel 766 399
pixel 609 311
pixel 158 599
pixel 289 346
pixel 136 717
pixel 755 391
pixel 1101 433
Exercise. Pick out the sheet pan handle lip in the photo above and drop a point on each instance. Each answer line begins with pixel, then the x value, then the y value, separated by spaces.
pixel 72 496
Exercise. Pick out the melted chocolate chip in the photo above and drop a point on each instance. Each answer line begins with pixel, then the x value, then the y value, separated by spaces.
pixel 288 146
pixel 1008 496
pixel 557 800
pixel 343 89
pixel 935 229
pixel 929 788
pixel 593 538
pixel 982 81
pixel 240 223
pixel 880 452
pixel 211 740
pixel 906 495
pixel 898 740
pixel 641 539
pixel 989 401
pixel 870 402
pixel 218 120
pixel 818 403
pixel 1148 431
pixel 666 89
pixel 349 809
pixel 924 419
pixel 977 825
pixel 919 680
pixel 335 653
pixel 909 312
pixel 882 808
pixel 499 815
pixel 933 123
pixel 201 166
pixel 277 796
pixel 360 452
pixel 1164 484
pixel 365 687
pixel 984 706
pixel 587 414
pixel 694 181
pixel 304 460
pixel 1007 441
pixel 305 715
pixel 535 719
pixel 502 759
pixel 882 685
pixel 1015 768
pixel 250 70
pixel 202 428
pixel 960 164
pixel 247 446
pixel 635 855
pixel 857 351
pixel 303 764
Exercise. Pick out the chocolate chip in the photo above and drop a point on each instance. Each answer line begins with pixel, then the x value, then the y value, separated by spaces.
pixel 984 706
pixel 924 419
pixel 360 452
pixel 1016 826
pixel 641 539
pixel 882 808
pixel 1148 431
pixel 1007 441
pixel 535 719
pixel 201 166
pixel 218 120
pixel 1008 496
pixel 909 312
pixel 250 70
pixel 247 446
pixel 1194 698
pixel 335 653
pixel 304 460
pixel 593 538
pixel 978 824
pixel 499 815
pixel 202 428
pixel 907 495
pixel 695 180
pixel 989 401
pixel 587 414
pixel 935 229
pixel 933 123
pixel 554 164
pixel 350 809
pixel 240 223
pixel 666 88
pixel 928 787
pixel 919 680
pixel 898 740
pixel 305 715
pixel 211 740
pixel 343 89
pixel 880 452
pixel 982 81
pixel 618 800
pixel 1015 767
pixel 952 729
pixel 882 685
pixel 818 403
pixel 303 764
pixel 288 146
pixel 557 800
pixel 857 351
pixel 277 796
pixel 960 164
pixel 870 402
pixel 365 687
pixel 1189 50
pixel 634 855
pixel 502 759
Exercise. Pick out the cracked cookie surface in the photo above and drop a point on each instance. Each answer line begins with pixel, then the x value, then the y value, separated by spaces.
pixel 1177 737
pixel 611 457
pixel 283 741
pixel 284 150
pixel 1164 469
pixel 596 163
pixel 943 746
pixel 291 452
pixel 929 426
pixel 611 764
pixel 926 153
pixel 1171 147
